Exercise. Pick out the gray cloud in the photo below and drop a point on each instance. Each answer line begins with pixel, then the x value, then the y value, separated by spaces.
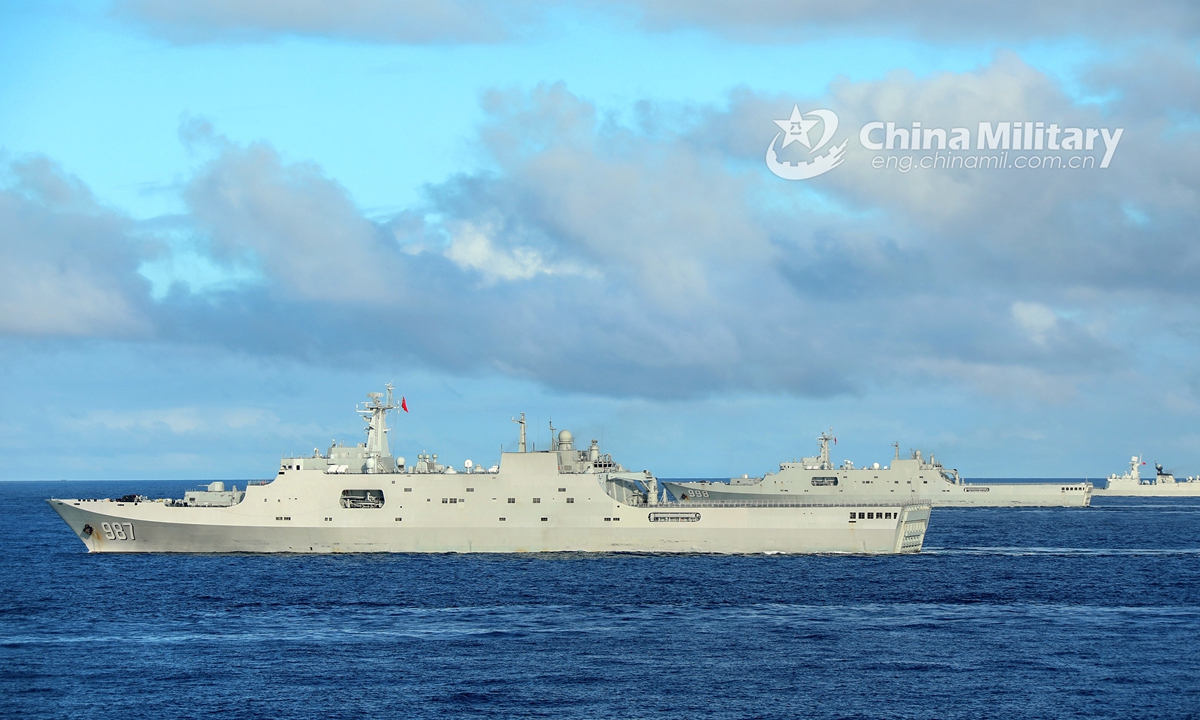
pixel 382 21
pixel 434 21
pixel 291 222
pixel 70 264
pixel 940 20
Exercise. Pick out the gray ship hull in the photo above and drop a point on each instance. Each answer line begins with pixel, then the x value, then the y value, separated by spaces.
pixel 939 493
pixel 1155 489
pixel 107 526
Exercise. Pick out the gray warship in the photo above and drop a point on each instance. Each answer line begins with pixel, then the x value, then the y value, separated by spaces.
pixel 914 478
pixel 1163 484
pixel 360 498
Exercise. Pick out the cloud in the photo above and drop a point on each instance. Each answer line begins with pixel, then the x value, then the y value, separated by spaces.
pixel 940 20
pixel 659 258
pixel 471 248
pixel 70 264
pixel 297 226
pixel 473 21
pixel 1035 319
pixel 380 21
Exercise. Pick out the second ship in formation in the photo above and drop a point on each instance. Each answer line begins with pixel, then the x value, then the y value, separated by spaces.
pixel 915 479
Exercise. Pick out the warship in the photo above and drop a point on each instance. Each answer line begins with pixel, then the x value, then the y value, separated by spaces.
pixel 359 498
pixel 1163 484
pixel 912 479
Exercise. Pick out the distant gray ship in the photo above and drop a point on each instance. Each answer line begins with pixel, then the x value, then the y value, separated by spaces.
pixel 912 479
pixel 360 498
pixel 1163 484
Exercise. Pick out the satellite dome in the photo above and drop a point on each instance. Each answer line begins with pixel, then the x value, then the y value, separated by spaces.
pixel 565 437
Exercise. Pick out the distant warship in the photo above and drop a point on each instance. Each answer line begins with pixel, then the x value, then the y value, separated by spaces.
pixel 359 498
pixel 1163 484
pixel 912 479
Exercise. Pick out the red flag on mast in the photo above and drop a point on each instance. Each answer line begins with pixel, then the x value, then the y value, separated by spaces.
pixel 403 404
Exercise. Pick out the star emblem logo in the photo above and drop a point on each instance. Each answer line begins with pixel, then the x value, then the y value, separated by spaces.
pixel 796 128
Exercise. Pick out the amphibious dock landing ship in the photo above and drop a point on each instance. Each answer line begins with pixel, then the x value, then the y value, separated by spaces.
pixel 915 479
pixel 1163 484
pixel 360 498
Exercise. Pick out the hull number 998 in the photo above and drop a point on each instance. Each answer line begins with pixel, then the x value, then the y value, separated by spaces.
pixel 117 531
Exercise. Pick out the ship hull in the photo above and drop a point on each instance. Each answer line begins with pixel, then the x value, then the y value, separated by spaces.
pixel 489 524
pixel 1176 489
pixel 938 494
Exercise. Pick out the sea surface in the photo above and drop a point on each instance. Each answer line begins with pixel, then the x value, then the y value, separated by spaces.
pixel 1008 613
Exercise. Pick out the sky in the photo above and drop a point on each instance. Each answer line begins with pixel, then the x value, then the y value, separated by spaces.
pixel 223 223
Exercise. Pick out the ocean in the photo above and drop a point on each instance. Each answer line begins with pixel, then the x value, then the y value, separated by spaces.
pixel 1007 613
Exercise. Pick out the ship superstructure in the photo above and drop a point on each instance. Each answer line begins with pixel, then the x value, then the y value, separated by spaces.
pixel 914 478
pixel 1163 484
pixel 360 498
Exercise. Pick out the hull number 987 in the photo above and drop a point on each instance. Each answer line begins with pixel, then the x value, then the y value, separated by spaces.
pixel 117 531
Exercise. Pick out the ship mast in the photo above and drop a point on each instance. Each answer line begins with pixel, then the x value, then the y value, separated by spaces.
pixel 521 422
pixel 374 413
pixel 824 440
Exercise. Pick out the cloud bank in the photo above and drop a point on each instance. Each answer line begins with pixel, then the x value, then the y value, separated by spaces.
pixel 659 258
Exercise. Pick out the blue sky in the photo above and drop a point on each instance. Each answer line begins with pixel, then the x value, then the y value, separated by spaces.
pixel 225 223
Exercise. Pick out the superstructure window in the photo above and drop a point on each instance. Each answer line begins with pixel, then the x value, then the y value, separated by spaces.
pixel 512 500
pixel 537 500
pixel 570 500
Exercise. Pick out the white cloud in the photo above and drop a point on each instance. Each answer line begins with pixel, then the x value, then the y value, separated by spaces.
pixel 472 249
pixel 1035 319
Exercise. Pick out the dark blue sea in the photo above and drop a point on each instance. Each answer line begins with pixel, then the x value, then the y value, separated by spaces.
pixel 1008 613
